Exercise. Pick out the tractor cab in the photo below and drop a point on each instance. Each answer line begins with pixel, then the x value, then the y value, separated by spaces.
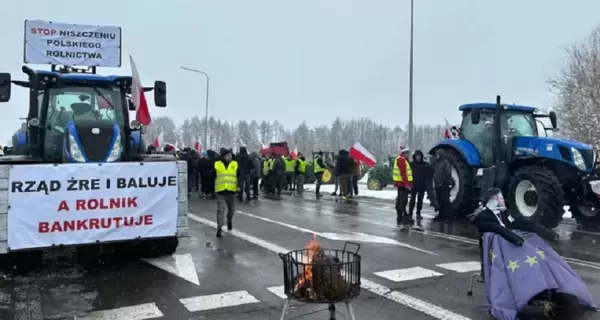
pixel 499 146
pixel 76 115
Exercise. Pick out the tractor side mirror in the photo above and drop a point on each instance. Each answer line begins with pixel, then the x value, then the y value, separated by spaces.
pixel 5 87
pixel 553 121
pixel 160 94
pixel 475 116
pixel 130 105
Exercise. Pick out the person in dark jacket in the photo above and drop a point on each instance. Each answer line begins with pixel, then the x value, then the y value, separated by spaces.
pixel 343 167
pixel 246 164
pixel 208 170
pixel 421 175
pixel 255 173
pixel 278 173
pixel 442 184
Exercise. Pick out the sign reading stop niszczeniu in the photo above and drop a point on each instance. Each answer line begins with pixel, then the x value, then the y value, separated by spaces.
pixel 84 203
pixel 55 43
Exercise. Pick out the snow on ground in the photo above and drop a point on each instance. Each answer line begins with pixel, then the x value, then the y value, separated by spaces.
pixel 385 194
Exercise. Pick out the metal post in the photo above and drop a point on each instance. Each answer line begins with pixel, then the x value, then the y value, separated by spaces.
pixel 205 146
pixel 410 79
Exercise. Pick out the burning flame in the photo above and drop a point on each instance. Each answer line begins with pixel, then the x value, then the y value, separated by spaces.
pixel 312 249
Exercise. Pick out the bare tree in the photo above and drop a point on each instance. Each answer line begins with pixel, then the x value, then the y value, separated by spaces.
pixel 577 90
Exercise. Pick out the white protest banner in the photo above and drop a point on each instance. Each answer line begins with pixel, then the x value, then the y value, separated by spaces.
pixel 55 43
pixel 84 203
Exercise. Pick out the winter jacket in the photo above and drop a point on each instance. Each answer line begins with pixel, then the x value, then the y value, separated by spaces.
pixel 278 165
pixel 442 172
pixel 256 170
pixel 402 166
pixel 356 168
pixel 245 162
pixel 344 163
pixel 421 172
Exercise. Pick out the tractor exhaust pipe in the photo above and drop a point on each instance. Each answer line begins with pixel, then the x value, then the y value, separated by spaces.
pixel 499 153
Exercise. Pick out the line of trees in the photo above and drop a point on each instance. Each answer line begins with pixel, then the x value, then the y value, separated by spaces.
pixel 341 134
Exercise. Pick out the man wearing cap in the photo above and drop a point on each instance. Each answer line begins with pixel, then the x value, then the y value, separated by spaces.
pixel 403 179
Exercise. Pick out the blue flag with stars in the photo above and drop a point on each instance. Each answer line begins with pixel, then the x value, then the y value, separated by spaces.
pixel 515 274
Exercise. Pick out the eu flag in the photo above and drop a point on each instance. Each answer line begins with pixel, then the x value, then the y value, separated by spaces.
pixel 515 274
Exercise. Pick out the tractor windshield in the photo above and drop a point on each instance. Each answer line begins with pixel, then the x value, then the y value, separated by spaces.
pixel 73 103
pixel 519 124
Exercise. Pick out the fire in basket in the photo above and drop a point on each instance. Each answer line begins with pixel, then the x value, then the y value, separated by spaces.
pixel 319 275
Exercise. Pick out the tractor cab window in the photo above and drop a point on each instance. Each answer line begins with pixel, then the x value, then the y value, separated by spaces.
pixel 518 124
pixel 480 135
pixel 73 103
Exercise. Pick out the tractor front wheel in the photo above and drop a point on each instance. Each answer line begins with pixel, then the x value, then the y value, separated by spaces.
pixel 374 184
pixel 536 194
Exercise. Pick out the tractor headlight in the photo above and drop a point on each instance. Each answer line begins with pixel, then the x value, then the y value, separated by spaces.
pixel 74 150
pixel 578 159
pixel 115 153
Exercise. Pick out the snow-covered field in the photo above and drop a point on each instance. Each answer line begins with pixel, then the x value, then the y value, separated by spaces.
pixel 388 193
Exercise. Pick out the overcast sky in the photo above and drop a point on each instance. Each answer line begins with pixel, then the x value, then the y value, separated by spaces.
pixel 317 59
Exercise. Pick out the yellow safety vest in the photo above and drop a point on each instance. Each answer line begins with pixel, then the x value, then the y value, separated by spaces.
pixel 289 165
pixel 265 169
pixel 226 177
pixel 301 166
pixel 316 167
pixel 396 176
pixel 271 162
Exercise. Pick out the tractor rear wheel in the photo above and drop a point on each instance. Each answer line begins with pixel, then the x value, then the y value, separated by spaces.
pixel 461 196
pixel 374 184
pixel 536 194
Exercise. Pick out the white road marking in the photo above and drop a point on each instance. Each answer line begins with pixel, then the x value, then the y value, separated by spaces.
pixel 138 312
pixel 278 291
pixel 574 261
pixel 350 236
pixel 181 265
pixel 216 301
pixel 411 302
pixel 461 267
pixel 404 299
pixel 408 274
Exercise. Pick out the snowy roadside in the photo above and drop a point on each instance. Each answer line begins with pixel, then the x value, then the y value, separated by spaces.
pixel 384 194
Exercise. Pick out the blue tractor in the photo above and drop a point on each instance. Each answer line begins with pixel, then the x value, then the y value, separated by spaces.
pixel 500 146
pixel 77 116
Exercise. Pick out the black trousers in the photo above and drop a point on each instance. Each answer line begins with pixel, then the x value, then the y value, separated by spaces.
pixel 319 181
pixel 401 202
pixel 255 186
pixel 442 194
pixel 244 186
pixel 355 184
pixel 416 197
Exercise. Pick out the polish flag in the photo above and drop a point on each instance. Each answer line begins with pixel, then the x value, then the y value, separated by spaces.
pixel 451 132
pixel 360 153
pixel 294 153
pixel 262 146
pixel 197 145
pixel 142 113
pixel 158 141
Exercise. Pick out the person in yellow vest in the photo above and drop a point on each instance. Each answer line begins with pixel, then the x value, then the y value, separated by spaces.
pixel 403 179
pixel 300 171
pixel 318 170
pixel 226 187
pixel 290 163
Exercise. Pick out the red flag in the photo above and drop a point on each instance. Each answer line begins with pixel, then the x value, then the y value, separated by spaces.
pixel 138 98
pixel 294 153
pixel 448 130
pixel 197 145
pixel 158 140
pixel 360 153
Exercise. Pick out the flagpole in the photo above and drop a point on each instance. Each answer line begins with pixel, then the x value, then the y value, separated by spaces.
pixel 410 79
pixel 206 103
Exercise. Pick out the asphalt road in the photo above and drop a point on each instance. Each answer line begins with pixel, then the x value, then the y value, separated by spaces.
pixel 406 274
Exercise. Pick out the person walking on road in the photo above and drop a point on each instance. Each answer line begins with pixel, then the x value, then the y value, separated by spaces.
pixel 255 174
pixel 278 171
pixel 421 176
pixel 246 164
pixel 318 170
pixel 343 167
pixel 442 184
pixel 403 179
pixel 226 187
pixel 300 171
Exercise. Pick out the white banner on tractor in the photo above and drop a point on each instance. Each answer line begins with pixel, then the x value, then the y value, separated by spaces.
pixel 84 203
pixel 55 43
